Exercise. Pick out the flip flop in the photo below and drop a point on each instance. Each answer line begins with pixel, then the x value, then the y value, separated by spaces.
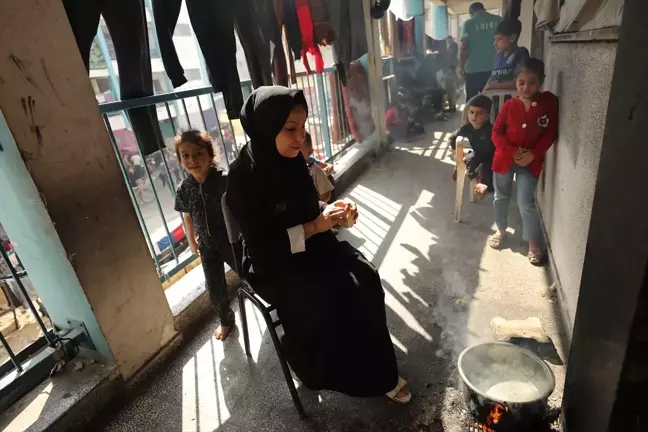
pixel 496 240
pixel 535 259
pixel 393 395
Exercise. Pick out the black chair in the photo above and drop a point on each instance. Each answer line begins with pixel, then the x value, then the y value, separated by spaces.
pixel 247 292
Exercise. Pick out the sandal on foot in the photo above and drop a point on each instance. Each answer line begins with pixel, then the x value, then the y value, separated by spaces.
pixel 535 259
pixel 496 240
pixel 393 395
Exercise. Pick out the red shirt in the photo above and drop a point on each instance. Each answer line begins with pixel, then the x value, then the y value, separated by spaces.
pixel 393 118
pixel 536 129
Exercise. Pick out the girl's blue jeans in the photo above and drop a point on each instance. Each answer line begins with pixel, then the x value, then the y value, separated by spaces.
pixel 526 184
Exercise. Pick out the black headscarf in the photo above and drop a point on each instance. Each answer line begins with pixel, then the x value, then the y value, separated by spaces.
pixel 276 177
pixel 264 115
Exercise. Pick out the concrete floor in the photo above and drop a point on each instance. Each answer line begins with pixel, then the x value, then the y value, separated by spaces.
pixel 443 286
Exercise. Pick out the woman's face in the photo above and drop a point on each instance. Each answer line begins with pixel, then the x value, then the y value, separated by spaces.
pixel 291 138
pixel 195 159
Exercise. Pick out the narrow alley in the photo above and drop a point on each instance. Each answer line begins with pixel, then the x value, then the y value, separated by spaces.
pixel 443 286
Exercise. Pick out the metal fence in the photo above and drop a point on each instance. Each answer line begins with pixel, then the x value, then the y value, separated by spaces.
pixel 19 294
pixel 153 189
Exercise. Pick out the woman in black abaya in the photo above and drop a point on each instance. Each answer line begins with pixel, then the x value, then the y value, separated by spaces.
pixel 328 296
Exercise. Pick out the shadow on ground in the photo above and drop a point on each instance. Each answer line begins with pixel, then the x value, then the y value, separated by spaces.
pixel 442 287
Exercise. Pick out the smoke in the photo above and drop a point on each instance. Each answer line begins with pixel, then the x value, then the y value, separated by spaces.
pixel 450 310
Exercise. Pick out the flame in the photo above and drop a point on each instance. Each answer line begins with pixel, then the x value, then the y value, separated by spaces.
pixel 493 418
pixel 496 413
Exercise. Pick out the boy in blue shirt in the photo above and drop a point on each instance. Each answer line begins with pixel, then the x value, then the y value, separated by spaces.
pixel 509 56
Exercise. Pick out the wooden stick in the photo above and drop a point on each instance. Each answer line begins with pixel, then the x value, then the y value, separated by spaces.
pixel 461 177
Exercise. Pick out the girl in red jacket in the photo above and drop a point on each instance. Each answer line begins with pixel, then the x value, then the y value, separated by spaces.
pixel 524 130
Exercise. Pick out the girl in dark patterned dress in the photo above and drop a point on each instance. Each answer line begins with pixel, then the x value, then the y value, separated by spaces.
pixel 198 198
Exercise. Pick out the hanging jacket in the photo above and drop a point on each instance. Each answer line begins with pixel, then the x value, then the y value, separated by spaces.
pixel 322 30
pixel 347 21
pixel 293 31
pixel 307 36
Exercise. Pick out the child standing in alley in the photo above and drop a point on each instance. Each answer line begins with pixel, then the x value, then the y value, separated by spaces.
pixel 478 131
pixel 509 56
pixel 198 198
pixel 525 129
pixel 323 185
pixel 400 123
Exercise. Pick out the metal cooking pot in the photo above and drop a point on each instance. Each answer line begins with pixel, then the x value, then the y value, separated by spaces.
pixel 506 387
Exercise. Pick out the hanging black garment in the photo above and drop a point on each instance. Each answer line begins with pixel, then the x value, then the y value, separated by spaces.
pixel 269 194
pixel 127 25
pixel 269 24
pixel 213 23
pixel 250 26
pixel 293 32
pixel 347 20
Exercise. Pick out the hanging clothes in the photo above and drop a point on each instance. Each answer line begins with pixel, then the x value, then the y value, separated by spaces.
pixel 347 21
pixel 323 33
pixel 127 25
pixel 400 10
pixel 385 35
pixel 250 26
pixel 547 13
pixel 395 41
pixel 357 102
pixel 407 37
pixel 213 24
pixel 271 30
pixel 307 35
pixel 293 31
pixel 285 43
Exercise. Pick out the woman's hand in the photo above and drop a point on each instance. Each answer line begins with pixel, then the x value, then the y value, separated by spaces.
pixel 331 216
pixel 350 211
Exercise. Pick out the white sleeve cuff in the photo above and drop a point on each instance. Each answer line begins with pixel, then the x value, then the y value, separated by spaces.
pixel 297 238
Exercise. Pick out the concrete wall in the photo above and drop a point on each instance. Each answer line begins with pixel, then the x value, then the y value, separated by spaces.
pixel 580 74
pixel 25 219
pixel 51 111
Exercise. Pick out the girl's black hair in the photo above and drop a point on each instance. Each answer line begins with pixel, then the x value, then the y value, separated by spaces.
pixel 308 140
pixel 533 65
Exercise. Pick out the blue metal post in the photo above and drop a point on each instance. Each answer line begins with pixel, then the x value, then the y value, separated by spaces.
pixel 323 110
pixel 103 47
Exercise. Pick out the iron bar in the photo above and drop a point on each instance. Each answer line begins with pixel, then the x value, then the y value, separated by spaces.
pixel 184 107
pixel 30 304
pixel 12 356
pixel 138 211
